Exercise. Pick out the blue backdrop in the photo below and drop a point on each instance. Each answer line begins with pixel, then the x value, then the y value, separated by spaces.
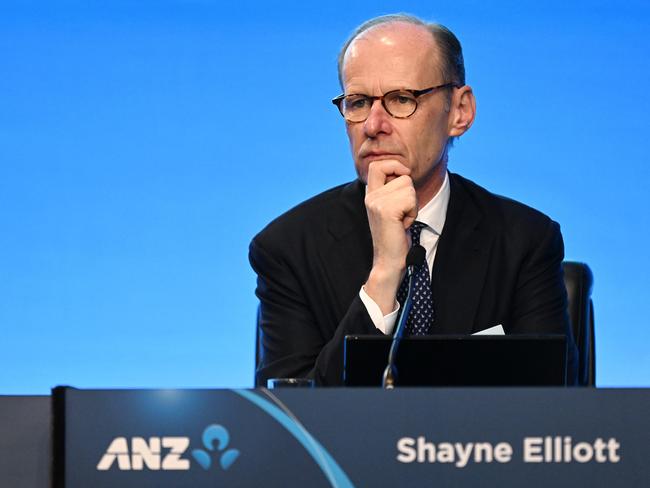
pixel 143 144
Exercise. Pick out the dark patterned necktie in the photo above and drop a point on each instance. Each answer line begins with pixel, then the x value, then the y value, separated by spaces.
pixel 420 319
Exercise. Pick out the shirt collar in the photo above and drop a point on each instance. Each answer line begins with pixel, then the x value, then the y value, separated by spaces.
pixel 434 213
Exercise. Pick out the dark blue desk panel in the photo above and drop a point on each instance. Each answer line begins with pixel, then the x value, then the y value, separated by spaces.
pixel 24 441
pixel 355 437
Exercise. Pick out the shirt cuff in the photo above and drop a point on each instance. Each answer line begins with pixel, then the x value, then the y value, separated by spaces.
pixel 385 323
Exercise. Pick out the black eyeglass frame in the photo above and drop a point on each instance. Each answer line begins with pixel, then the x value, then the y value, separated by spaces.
pixel 416 94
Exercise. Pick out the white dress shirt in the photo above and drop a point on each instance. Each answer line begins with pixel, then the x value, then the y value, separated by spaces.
pixel 433 214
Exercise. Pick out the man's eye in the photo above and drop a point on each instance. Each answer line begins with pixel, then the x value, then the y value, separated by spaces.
pixel 357 103
pixel 404 99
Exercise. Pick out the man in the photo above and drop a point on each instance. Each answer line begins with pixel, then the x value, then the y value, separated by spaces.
pixel 333 265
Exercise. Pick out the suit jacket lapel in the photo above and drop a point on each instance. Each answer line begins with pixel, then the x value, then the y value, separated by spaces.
pixel 460 264
pixel 347 254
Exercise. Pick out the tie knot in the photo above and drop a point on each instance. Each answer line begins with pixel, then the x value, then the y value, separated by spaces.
pixel 415 230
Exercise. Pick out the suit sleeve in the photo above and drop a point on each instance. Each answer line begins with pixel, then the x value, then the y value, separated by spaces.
pixel 296 341
pixel 540 302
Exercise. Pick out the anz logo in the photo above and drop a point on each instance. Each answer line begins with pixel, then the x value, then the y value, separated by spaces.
pixel 166 453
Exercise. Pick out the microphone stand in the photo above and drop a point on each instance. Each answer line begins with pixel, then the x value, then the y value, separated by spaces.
pixel 415 258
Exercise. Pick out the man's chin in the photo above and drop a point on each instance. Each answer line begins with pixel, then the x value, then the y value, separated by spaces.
pixel 362 173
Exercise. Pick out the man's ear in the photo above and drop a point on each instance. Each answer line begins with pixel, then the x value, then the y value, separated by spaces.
pixel 462 111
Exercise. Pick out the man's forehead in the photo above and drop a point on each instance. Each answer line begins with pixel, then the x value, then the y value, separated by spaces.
pixel 398 53
pixel 397 36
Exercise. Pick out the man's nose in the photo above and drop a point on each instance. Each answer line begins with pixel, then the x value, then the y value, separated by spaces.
pixel 378 121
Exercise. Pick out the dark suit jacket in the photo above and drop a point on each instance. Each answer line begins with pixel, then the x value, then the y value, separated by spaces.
pixel 498 262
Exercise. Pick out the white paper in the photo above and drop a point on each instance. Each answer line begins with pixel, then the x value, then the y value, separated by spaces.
pixel 496 330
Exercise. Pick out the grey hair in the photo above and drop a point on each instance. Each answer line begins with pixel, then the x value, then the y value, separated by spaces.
pixel 451 52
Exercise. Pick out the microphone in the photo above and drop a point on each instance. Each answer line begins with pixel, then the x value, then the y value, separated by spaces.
pixel 415 258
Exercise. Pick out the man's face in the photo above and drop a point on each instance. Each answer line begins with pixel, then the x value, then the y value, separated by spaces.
pixel 390 57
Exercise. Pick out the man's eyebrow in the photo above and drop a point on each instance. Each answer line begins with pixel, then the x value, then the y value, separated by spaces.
pixel 354 91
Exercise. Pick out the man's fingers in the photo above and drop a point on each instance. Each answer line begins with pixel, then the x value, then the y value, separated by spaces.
pixel 410 217
pixel 380 171
pixel 396 190
pixel 394 201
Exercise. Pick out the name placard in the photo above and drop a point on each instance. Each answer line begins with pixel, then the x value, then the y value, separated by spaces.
pixel 352 437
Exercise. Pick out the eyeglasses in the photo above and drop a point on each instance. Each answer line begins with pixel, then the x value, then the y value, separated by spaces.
pixel 400 104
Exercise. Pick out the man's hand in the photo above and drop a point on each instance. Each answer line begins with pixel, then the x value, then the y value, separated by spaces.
pixel 391 204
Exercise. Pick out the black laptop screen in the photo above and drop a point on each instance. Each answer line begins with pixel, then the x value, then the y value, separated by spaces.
pixel 459 360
